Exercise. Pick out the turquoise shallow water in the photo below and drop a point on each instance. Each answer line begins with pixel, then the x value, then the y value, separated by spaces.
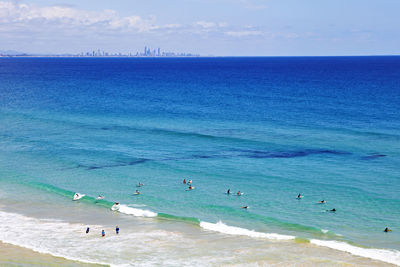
pixel 327 128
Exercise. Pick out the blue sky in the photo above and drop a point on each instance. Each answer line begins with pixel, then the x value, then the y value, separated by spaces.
pixel 206 27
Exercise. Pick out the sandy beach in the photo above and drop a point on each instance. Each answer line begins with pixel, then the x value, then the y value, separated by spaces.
pixel 11 255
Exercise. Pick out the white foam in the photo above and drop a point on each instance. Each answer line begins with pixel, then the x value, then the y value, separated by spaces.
pixel 385 255
pixel 232 230
pixel 24 231
pixel 324 231
pixel 137 205
pixel 69 241
pixel 136 212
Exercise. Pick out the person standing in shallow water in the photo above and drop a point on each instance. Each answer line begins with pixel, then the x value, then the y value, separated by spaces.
pixel 117 230
pixel 87 230
pixel 103 233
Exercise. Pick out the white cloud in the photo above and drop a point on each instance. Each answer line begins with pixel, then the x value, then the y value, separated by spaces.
pixel 206 24
pixel 211 24
pixel 27 15
pixel 244 33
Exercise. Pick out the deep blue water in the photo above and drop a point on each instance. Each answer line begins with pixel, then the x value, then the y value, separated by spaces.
pixel 326 127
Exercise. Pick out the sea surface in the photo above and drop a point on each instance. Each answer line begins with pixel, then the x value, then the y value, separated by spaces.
pixel 327 128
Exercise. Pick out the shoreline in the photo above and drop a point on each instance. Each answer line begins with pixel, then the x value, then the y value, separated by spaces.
pixel 12 255
pixel 155 240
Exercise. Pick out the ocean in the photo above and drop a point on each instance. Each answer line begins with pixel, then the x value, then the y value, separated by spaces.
pixel 327 128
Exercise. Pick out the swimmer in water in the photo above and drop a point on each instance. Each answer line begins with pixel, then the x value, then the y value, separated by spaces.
pixel 103 233
pixel 117 230
pixel 387 230
pixel 190 182
pixel 238 193
pixel 229 191
pixel 245 207
pixel 191 187
pixel 184 181
pixel 321 202
pixel 333 210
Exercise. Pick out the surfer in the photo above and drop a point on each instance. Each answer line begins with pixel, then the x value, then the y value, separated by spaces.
pixel 115 206
pixel 387 230
pixel 332 210
pixel 78 196
pixel 140 184
pixel 299 196
pixel 103 233
pixel 229 191
pixel 238 193
pixel 117 230
pixel 190 182
pixel 191 187
pixel 137 192
pixel 87 230
pixel 245 207
pixel 321 202
pixel 100 197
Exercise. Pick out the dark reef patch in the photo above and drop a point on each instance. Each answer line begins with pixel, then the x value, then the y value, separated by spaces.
pixel 119 164
pixel 373 156
pixel 259 154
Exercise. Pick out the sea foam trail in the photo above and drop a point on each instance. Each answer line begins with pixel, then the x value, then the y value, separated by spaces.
pixel 232 230
pixel 136 212
pixel 389 256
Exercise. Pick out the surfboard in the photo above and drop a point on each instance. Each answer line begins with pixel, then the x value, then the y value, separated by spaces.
pixel 78 196
pixel 115 207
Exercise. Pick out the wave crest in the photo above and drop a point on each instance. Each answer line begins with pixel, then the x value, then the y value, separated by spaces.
pixel 232 230
pixel 385 255
pixel 136 212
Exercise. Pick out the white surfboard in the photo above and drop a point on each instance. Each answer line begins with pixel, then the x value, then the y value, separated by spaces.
pixel 115 206
pixel 78 196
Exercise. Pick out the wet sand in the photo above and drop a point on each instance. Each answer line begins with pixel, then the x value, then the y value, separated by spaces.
pixel 11 255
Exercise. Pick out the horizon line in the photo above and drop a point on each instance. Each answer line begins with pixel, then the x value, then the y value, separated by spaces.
pixel 176 56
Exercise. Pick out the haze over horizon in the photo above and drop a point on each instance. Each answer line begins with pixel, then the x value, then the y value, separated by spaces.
pixel 218 27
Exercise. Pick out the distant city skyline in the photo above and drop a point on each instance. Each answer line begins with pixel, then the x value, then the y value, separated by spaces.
pixel 202 27
pixel 147 52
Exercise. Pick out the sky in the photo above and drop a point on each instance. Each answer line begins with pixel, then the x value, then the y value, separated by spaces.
pixel 205 27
